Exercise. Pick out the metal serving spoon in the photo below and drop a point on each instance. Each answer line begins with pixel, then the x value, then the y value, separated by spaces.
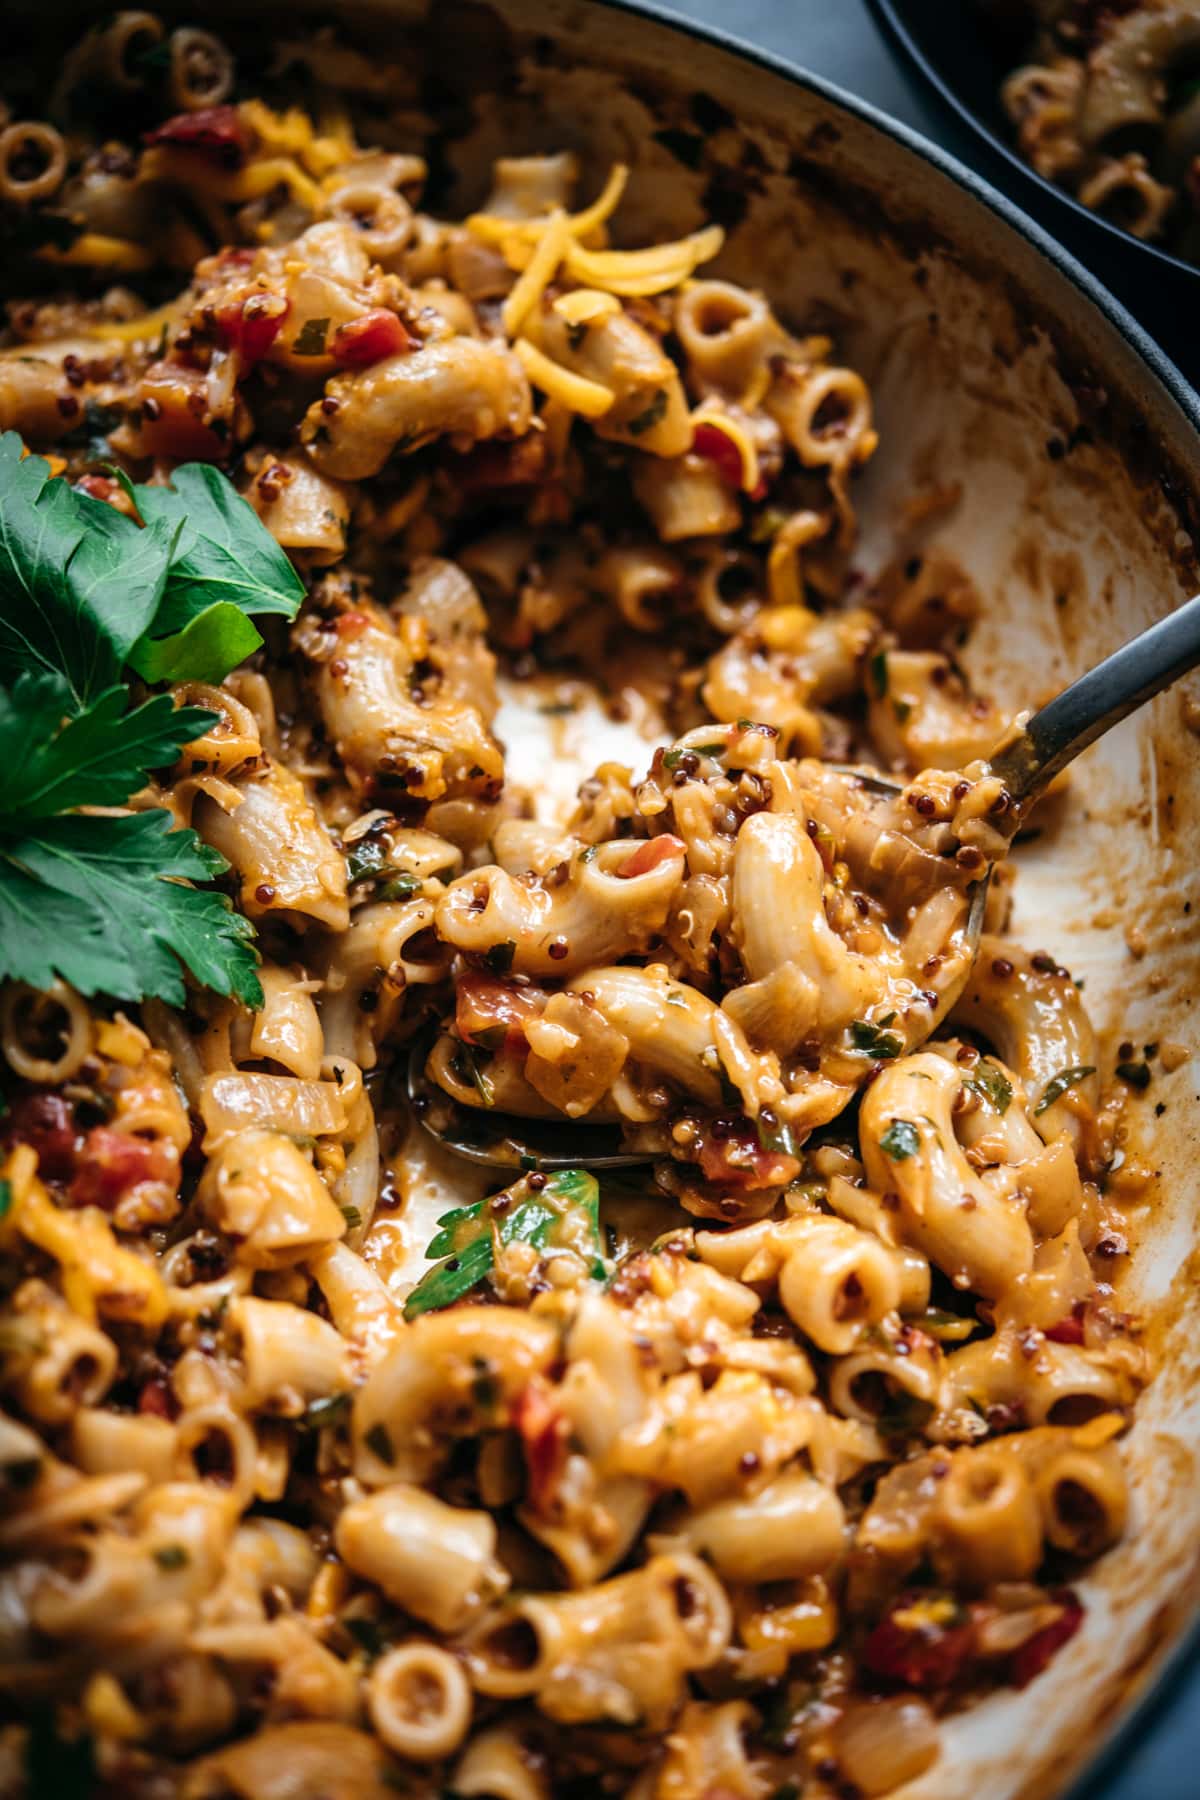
pixel 1029 758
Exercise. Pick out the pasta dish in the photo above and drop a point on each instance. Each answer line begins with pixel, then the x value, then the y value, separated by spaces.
pixel 331 1465
pixel 1107 104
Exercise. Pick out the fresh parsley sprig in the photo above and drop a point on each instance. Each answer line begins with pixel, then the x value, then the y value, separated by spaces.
pixel 107 900
pixel 467 1239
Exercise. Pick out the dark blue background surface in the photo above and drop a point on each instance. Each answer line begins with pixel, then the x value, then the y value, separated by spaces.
pixel 839 40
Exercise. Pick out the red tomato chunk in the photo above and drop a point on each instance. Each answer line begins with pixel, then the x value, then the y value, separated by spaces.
pixel 216 132
pixel 377 334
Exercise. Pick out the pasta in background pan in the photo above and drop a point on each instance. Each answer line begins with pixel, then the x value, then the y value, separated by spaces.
pixel 741 1477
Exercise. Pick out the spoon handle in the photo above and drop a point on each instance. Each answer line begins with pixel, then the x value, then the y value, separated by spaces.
pixel 1053 737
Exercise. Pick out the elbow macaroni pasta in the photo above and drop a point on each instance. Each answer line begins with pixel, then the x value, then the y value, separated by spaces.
pixel 327 1466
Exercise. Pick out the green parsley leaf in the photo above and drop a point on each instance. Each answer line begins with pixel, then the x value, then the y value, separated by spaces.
pixel 879 673
pixel 224 551
pixel 673 758
pixel 1058 1085
pixel 467 1243
pixel 215 641
pixel 399 887
pixel 991 1084
pixel 647 420
pixel 171 1556
pixel 311 338
pixel 900 1141
pixel 102 902
pixel 881 1044
pixel 499 958
pixel 97 758
pixel 448 1281
pixel 352 1217
pixel 329 1411
pixel 5 1198
pixel 466 1064
pixel 79 582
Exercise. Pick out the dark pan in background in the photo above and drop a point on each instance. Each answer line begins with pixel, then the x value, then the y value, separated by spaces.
pixel 963 53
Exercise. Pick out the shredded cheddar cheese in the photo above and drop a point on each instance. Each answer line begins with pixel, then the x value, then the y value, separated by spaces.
pixel 540 271
pixel 589 398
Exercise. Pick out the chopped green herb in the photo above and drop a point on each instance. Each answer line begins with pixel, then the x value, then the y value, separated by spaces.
pixel 777 1138
pixel 367 857
pixel 1134 1074
pixel 559 709
pixel 466 1065
pixel 946 1327
pixel 900 1141
pixel 883 1045
pixel 455 1232
pixel 673 758
pixel 902 710
pixel 312 338
pixel 467 1245
pixel 448 1281
pixel 769 524
pixel 1059 1084
pixel 399 887
pixel 499 958
pixel 590 854
pixel 5 1198
pixel 352 1217
pixel 171 1556
pixel 879 673
pixel 646 421
pixel 379 1443
pixel 324 1413
pixel 991 1084
pixel 675 998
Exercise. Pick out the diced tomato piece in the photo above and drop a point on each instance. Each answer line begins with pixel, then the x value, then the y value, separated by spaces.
pixel 916 1647
pixel 492 1013
pixel 737 1159
pixel 650 855
pixel 352 624
pixel 542 1429
pixel 1070 1329
pixel 216 132
pixel 500 465
pixel 251 326
pixel 716 447
pixel 111 1163
pixel 1044 1645
pixel 377 334
pixel 45 1120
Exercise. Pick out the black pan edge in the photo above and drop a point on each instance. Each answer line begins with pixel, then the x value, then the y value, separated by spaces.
pixel 890 17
